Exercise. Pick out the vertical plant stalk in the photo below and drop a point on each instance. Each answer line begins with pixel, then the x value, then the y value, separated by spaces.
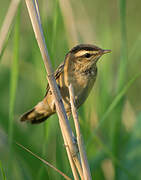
pixel 2 171
pixel 7 22
pixel 69 21
pixel 124 57
pixel 83 157
pixel 122 76
pixel 54 27
pixel 13 86
pixel 63 120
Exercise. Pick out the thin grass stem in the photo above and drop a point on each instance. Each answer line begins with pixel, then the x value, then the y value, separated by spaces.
pixel 83 157
pixel 13 83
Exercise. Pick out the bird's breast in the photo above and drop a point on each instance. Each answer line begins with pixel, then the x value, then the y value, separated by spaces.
pixel 82 83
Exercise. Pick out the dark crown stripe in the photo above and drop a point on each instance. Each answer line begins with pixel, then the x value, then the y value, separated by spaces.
pixel 86 47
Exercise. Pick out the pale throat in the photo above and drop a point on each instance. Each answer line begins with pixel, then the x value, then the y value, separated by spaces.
pixel 89 69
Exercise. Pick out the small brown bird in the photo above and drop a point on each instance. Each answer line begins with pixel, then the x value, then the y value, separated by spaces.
pixel 79 69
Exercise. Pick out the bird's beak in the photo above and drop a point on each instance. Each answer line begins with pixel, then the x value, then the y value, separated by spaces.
pixel 105 51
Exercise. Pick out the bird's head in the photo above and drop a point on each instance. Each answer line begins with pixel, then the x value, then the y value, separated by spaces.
pixel 86 54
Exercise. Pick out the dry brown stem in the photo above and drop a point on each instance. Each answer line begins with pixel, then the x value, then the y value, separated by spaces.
pixel 63 120
pixel 83 157
pixel 8 21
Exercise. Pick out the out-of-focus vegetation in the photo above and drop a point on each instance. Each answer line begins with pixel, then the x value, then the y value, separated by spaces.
pixel 110 118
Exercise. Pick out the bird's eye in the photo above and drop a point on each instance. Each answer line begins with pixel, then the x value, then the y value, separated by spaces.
pixel 87 55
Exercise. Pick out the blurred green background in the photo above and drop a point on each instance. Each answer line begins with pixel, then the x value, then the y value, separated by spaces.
pixel 110 118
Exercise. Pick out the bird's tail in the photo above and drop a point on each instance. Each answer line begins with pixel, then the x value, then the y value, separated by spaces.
pixel 37 115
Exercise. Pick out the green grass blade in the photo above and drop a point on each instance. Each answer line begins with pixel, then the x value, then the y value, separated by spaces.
pixel 13 81
pixel 123 50
pixel 14 75
pixel 119 97
pixel 122 76
pixel 54 28
pixel 2 172
pixel 135 52
pixel 115 102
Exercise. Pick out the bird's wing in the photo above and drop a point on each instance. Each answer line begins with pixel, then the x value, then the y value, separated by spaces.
pixel 57 73
pixel 59 70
